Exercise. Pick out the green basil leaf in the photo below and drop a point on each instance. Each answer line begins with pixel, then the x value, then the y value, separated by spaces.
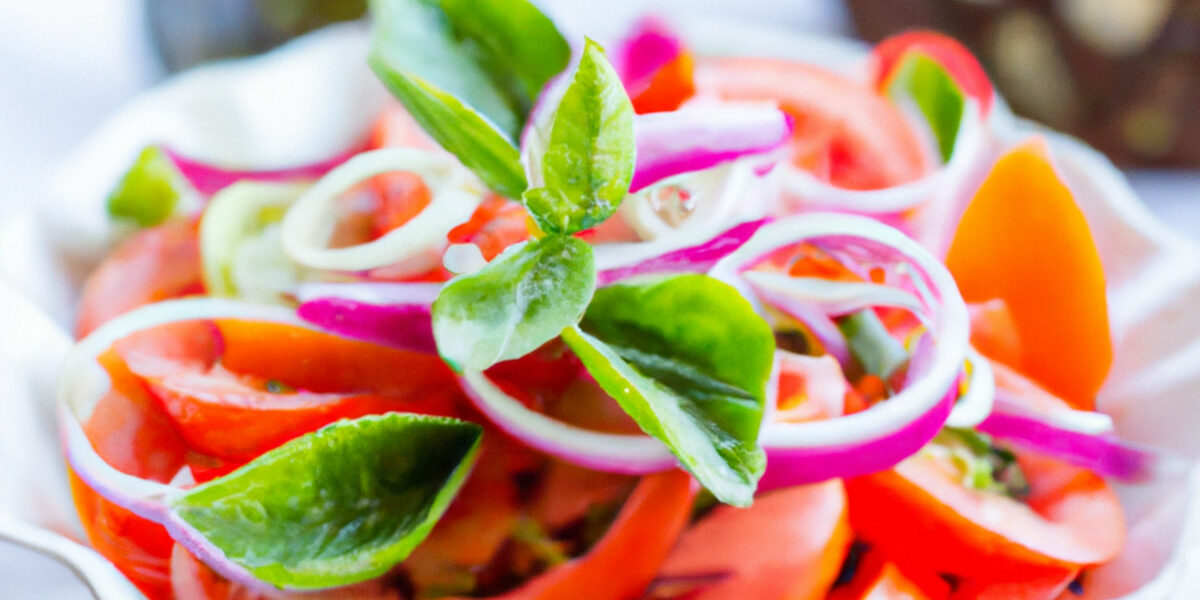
pixel 519 301
pixel 936 94
pixel 149 191
pixel 587 162
pixel 469 72
pixel 338 506
pixel 688 359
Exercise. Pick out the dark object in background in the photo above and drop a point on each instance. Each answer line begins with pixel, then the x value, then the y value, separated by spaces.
pixel 1122 74
pixel 190 32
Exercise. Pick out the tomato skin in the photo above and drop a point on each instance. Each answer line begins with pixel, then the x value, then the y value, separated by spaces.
pixel 155 264
pixel 844 133
pixel 1045 587
pixel 947 51
pixel 624 562
pixel 668 88
pixel 789 545
pixel 1071 519
pixel 131 433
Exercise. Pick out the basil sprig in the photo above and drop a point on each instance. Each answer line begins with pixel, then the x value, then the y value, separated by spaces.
pixel 469 72
pixel 342 505
pixel 583 169
pixel 528 294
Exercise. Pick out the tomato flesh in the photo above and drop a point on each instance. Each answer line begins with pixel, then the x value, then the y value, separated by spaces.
pixel 789 544
pixel 844 132
pixel 155 264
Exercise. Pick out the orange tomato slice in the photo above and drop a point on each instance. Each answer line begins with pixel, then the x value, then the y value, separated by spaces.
pixel 789 544
pixel 130 432
pixel 1024 241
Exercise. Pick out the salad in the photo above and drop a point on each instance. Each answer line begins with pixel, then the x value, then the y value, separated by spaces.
pixel 635 323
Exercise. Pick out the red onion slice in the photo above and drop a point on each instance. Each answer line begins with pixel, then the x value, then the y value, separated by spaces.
pixel 209 179
pixel 888 432
pixel 693 259
pixel 1104 454
pixel 403 326
pixel 697 137
pixel 650 46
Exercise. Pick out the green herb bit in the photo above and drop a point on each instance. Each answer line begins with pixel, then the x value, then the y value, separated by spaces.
pixel 935 93
pixel 149 191
pixel 986 466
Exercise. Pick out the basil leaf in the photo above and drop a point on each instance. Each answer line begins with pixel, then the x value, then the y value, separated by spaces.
pixel 519 301
pixel 149 191
pixel 469 71
pixel 338 506
pixel 688 359
pixel 936 94
pixel 588 160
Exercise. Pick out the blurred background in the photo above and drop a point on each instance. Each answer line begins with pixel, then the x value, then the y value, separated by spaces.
pixel 1122 74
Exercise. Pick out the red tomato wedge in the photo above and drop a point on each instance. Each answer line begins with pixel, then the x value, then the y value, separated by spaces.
pixel 953 56
pixel 235 416
pixel 845 133
pixel 497 224
pixel 668 88
pixel 1070 519
pixel 325 363
pixel 1045 587
pixel 155 264
pixel 130 432
pixel 624 562
pixel 789 545
pixel 1024 241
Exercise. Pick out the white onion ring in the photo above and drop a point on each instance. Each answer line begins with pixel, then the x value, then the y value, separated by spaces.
pixel 975 405
pixel 631 454
pixel 308 224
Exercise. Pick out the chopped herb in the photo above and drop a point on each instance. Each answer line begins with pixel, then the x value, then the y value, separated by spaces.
pixel 986 465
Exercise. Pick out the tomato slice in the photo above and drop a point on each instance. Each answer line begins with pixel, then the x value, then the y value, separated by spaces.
pixel 1024 241
pixel 1070 519
pixel 953 56
pixel 1045 587
pixel 194 580
pixel 155 264
pixel 130 432
pixel 624 562
pixel 320 362
pixel 669 87
pixel 789 544
pixel 844 133
pixel 236 416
